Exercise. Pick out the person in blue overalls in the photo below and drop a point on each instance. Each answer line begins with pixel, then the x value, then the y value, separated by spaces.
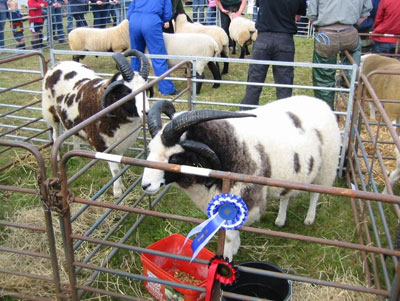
pixel 146 20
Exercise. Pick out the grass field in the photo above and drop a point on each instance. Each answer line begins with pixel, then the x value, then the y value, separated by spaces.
pixel 334 214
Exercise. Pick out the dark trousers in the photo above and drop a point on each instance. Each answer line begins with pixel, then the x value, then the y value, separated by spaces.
pixel 270 46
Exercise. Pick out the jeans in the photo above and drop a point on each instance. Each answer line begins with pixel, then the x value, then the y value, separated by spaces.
pixel 382 47
pixel 100 15
pixel 272 46
pixel 3 19
pixel 70 19
pixel 211 18
pixel 57 20
pixel 198 10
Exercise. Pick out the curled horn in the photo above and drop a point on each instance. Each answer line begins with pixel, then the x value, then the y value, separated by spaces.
pixel 174 130
pixel 154 115
pixel 123 66
pixel 145 66
pixel 107 91
pixel 205 151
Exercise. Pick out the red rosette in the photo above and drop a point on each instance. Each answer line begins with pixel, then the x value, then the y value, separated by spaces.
pixel 221 270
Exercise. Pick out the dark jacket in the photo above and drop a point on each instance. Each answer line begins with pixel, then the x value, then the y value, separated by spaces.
pixel 75 8
pixel 279 15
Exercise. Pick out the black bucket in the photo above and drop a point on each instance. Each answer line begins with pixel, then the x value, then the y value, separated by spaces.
pixel 261 286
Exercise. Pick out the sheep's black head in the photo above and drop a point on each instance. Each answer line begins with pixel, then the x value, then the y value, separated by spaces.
pixel 168 145
pixel 119 88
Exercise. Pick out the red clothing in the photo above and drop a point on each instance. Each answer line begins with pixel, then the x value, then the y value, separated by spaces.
pixel 35 11
pixel 387 20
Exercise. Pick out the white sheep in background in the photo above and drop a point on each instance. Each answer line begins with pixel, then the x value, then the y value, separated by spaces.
pixel 194 44
pixel 294 144
pixel 386 87
pixel 72 93
pixel 111 39
pixel 243 31
pixel 182 25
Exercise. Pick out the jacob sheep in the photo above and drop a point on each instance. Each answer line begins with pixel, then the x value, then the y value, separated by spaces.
pixel 387 87
pixel 72 93
pixel 182 25
pixel 243 31
pixel 295 144
pixel 111 39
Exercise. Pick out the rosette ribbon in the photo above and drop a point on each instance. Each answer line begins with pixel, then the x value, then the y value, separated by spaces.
pixel 224 211
pixel 221 270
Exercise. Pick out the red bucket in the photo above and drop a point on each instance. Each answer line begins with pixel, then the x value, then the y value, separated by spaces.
pixel 174 269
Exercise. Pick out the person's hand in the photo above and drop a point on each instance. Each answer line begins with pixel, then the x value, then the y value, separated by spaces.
pixel 57 4
pixel 99 2
pixel 235 15
pixel 223 10
pixel 41 5
pixel 166 25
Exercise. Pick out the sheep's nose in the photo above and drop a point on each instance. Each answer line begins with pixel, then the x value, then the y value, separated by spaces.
pixel 145 186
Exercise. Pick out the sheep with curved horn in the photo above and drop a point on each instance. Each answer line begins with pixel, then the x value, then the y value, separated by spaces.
pixel 72 92
pixel 295 144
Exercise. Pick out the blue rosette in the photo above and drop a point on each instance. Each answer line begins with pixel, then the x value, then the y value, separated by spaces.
pixel 225 211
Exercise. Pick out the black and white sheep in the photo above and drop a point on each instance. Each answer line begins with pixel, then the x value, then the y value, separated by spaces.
pixel 194 44
pixel 182 25
pixel 72 92
pixel 295 139
pixel 243 32
pixel 111 39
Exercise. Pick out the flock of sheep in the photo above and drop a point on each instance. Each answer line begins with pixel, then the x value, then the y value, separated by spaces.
pixel 300 146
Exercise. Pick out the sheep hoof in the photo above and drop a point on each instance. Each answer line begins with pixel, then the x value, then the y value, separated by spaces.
pixel 309 221
pixel 279 222
pixel 215 86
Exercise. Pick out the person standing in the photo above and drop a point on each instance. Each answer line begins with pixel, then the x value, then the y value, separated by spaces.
pixel 211 18
pixel 3 19
pixel 36 21
pixel 335 31
pixel 146 20
pixel 56 14
pixel 387 21
pixel 17 23
pixel 226 7
pixel 276 25
pixel 199 7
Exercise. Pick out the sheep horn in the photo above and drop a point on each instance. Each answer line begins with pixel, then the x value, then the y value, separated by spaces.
pixel 203 150
pixel 174 129
pixel 145 66
pixel 154 115
pixel 109 89
pixel 123 66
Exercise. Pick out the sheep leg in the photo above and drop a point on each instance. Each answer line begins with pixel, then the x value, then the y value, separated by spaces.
pixel 198 85
pixel 215 72
pixel 281 218
pixel 226 64
pixel 76 58
pixel 394 176
pixel 118 186
pixel 232 243
pixel 371 111
pixel 312 208
pixel 242 52
pixel 246 47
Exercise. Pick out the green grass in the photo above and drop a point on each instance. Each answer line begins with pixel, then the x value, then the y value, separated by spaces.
pixel 334 214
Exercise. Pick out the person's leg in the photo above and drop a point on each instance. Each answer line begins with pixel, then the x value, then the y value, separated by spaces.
pixel 70 19
pixel 59 24
pixel 225 22
pixel 283 51
pixel 381 47
pixel 324 78
pixel 195 9
pixel 355 54
pixel 136 39
pixel 3 18
pixel 153 36
pixel 257 73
